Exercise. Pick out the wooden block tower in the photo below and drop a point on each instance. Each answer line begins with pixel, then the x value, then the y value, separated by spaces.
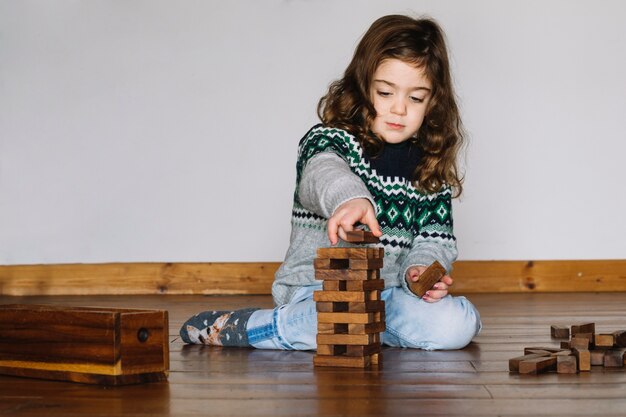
pixel 350 313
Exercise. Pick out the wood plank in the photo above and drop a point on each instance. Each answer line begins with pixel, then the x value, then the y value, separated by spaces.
pixel 585 276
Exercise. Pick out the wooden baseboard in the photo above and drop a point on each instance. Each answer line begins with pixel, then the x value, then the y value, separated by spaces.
pixel 256 278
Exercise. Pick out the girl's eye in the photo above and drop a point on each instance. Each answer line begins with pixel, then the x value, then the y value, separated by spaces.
pixel 383 93
pixel 416 99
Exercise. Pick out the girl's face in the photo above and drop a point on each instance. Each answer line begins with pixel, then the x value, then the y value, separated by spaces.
pixel 400 93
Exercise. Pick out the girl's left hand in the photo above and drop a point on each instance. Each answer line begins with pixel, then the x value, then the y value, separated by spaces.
pixel 438 291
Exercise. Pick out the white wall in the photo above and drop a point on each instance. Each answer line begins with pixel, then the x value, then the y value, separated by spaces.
pixel 167 130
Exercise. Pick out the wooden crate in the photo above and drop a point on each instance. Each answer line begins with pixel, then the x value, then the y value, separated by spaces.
pixel 109 346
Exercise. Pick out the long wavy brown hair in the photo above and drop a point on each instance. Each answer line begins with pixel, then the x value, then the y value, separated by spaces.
pixel 348 104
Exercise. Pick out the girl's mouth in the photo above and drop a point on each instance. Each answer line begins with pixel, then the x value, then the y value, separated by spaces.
pixel 394 126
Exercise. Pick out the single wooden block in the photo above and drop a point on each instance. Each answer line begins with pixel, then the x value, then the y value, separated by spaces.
pixel 614 358
pixel 427 279
pixel 364 350
pixel 353 264
pixel 366 307
pixel 537 352
pixel 329 307
pixel 336 285
pixel 347 274
pixel 361 236
pixel 588 336
pixel 333 350
pixel 597 357
pixel 537 365
pixel 559 332
pixel 348 339
pixel 583 328
pixel 342 361
pixel 514 362
pixel 108 346
pixel 579 343
pixel 369 285
pixel 565 345
pixel 332 328
pixel 345 296
pixel 350 253
pixel 620 338
pixel 547 349
pixel 366 328
pixel 604 339
pixel 566 365
pixel 357 318
pixel 566 352
pixel 584 359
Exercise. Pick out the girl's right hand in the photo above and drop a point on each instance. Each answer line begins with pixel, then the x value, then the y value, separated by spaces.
pixel 359 210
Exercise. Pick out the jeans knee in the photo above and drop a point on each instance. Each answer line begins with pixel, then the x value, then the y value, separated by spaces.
pixel 450 323
pixel 458 327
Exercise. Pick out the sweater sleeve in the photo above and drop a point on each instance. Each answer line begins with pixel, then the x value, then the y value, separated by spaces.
pixel 327 182
pixel 435 240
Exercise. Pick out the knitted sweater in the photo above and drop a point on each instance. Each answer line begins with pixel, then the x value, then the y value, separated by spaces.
pixel 333 168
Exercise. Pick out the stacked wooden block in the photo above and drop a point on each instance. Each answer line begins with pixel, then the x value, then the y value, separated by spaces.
pixel 583 349
pixel 351 314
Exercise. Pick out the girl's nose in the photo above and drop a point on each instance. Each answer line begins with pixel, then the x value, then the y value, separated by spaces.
pixel 398 107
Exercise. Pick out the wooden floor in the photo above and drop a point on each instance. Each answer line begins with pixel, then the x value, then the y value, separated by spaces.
pixel 207 381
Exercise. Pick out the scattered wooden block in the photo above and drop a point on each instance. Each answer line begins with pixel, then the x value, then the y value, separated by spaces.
pixel 565 345
pixel 604 340
pixel 614 358
pixel 559 332
pixel 538 352
pixel 583 328
pixel 566 352
pixel 547 349
pixel 538 365
pixel 584 359
pixel 108 346
pixel 597 357
pixel 427 279
pixel 579 343
pixel 620 338
pixel 361 236
pixel 566 365
pixel 514 362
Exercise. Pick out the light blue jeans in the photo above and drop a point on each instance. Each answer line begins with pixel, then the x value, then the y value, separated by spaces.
pixel 450 323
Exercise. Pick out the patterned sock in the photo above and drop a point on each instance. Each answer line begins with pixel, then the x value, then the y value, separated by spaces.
pixel 218 328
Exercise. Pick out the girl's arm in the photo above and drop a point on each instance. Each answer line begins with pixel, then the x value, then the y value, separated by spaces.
pixel 329 188
pixel 434 242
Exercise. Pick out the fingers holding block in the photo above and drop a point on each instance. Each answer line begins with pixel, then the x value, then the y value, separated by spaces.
pixel 427 279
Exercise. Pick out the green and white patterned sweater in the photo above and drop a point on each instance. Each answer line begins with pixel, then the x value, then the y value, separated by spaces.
pixel 332 168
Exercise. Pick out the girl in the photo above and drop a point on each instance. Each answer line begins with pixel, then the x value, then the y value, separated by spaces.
pixel 385 156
